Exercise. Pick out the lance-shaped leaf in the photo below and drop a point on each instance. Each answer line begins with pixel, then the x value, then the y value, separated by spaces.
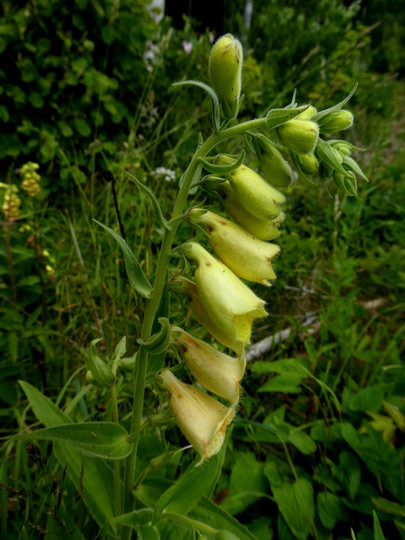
pixel 321 114
pixel 214 97
pixel 104 440
pixel 136 275
pixel 99 369
pixel 277 117
pixel 329 156
pixel 223 168
pixel 155 204
pixel 353 165
pixel 159 342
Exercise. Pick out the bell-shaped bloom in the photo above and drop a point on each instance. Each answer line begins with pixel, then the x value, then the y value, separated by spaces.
pixel 182 284
pixel 202 419
pixel 230 303
pixel 248 257
pixel 215 370
pixel 336 121
pixel 253 192
pixel 276 170
pixel 263 229
pixel 225 70
pixel 299 136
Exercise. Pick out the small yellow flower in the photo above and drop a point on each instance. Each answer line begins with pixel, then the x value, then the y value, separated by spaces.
pixel 182 284
pixel 276 170
pixel 263 229
pixel 11 205
pixel 202 419
pixel 229 302
pixel 248 257
pixel 216 371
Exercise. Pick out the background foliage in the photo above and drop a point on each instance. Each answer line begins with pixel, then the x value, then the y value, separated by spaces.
pixel 318 443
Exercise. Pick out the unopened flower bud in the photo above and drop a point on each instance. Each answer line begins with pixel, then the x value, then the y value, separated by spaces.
pixel 202 419
pixel 336 121
pixel 215 370
pixel 308 163
pixel 308 113
pixel 276 170
pixel 11 206
pixel 225 70
pixel 299 136
pixel 254 193
pixel 229 302
pixel 263 229
pixel 182 284
pixel 248 257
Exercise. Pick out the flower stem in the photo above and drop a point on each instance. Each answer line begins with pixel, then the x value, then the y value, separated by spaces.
pixel 151 309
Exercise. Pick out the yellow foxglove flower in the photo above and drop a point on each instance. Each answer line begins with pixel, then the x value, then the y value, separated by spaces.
pixel 263 229
pixel 182 284
pixel 248 257
pixel 225 70
pixel 299 136
pixel 230 303
pixel 253 192
pixel 202 419
pixel 214 369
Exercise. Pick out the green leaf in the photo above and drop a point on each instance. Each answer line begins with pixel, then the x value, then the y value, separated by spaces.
pixel 296 504
pixel 378 534
pixel 213 168
pixel 136 275
pixel 104 440
pixel 82 127
pixel 159 342
pixel 98 368
pixel 93 477
pixel 208 512
pixel 136 518
pixel 329 509
pixel 277 117
pixel 321 114
pixel 246 485
pixel 389 507
pixel 195 483
pixel 214 98
pixel 155 204
pixel 327 155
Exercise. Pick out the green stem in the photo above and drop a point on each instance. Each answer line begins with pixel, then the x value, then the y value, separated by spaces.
pixel 117 478
pixel 151 309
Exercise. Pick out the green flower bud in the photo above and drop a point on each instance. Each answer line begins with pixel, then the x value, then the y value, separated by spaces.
pixel 248 257
pixel 336 121
pixel 308 163
pixel 202 419
pixel 308 113
pixel 215 370
pixel 299 136
pixel 346 182
pixel 275 168
pixel 228 301
pixel 225 70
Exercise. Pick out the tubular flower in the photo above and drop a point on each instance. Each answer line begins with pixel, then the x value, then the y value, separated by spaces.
pixel 253 192
pixel 225 69
pixel 215 370
pixel 275 168
pixel 263 229
pixel 299 136
pixel 248 257
pixel 182 284
pixel 230 303
pixel 202 419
